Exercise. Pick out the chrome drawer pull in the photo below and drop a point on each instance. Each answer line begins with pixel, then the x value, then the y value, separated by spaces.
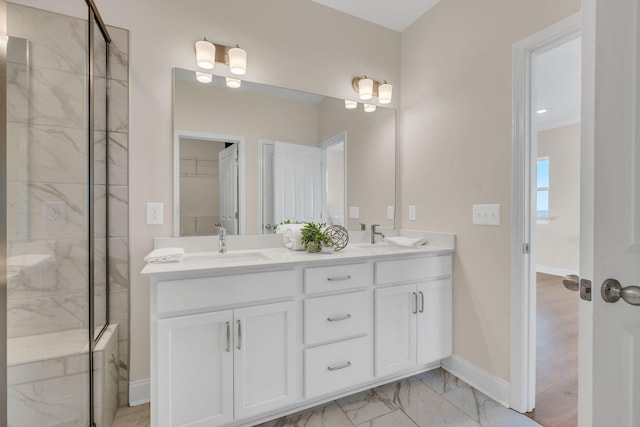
pixel 228 337
pixel 421 302
pixel 338 318
pixel 338 367
pixel 339 278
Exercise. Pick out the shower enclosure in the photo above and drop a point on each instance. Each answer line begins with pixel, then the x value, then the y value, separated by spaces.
pixel 60 345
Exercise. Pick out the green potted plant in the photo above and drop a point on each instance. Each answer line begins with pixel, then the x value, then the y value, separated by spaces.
pixel 313 237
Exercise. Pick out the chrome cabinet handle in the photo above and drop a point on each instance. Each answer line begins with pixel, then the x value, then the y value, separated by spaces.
pixel 415 303
pixel 421 302
pixel 340 366
pixel 338 278
pixel 338 318
pixel 239 335
pixel 612 291
pixel 228 337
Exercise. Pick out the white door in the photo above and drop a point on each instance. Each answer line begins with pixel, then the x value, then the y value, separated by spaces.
pixel 228 188
pixel 433 321
pixel 195 362
pixel 616 209
pixel 395 331
pixel 297 183
pixel 267 189
pixel 265 358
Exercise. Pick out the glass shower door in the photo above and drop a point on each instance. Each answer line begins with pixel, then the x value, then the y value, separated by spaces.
pixel 47 219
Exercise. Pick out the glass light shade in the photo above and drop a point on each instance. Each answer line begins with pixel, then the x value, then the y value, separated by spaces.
pixel 350 105
pixel 204 77
pixel 205 54
pixel 237 60
pixel 365 89
pixel 369 108
pixel 384 93
pixel 233 83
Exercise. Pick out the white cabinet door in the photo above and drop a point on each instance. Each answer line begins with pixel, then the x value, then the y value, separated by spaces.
pixel 395 329
pixel 265 358
pixel 434 321
pixel 195 366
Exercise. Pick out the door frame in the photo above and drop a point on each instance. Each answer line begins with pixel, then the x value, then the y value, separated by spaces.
pixel 335 139
pixel 523 296
pixel 240 140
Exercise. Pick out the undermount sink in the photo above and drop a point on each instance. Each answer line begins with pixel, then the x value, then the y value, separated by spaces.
pixel 383 247
pixel 217 258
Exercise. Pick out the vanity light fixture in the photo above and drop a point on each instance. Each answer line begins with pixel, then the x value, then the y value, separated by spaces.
pixel 207 54
pixel 368 88
pixel 204 77
pixel 369 108
pixel 233 83
pixel 350 105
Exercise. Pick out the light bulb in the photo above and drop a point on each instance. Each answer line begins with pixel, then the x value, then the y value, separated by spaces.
pixel 237 60
pixel 365 88
pixel 350 105
pixel 384 93
pixel 204 77
pixel 233 83
pixel 205 54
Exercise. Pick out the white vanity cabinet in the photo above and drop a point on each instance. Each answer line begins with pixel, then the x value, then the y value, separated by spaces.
pixel 240 345
pixel 413 320
pixel 215 367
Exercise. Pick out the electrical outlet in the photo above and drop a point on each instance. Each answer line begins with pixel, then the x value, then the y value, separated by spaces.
pixel 154 213
pixel 486 214
pixel 412 213
pixel 55 213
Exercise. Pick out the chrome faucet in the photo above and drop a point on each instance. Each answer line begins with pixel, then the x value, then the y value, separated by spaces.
pixel 375 233
pixel 222 240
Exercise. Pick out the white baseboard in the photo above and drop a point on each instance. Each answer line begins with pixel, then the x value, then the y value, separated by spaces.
pixel 139 392
pixel 555 271
pixel 494 387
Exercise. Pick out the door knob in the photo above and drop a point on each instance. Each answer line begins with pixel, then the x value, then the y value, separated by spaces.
pixel 575 283
pixel 571 282
pixel 612 291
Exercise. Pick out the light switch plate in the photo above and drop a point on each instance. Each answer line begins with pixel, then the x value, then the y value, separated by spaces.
pixel 412 213
pixel 390 212
pixel 354 212
pixel 154 213
pixel 486 214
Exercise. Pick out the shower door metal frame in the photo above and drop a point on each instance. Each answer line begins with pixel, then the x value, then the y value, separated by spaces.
pixel 95 18
pixel 3 209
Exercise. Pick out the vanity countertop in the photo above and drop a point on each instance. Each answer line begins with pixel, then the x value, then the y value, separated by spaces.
pixel 207 263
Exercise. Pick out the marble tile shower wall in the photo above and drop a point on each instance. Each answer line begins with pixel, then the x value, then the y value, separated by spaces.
pixel 47 133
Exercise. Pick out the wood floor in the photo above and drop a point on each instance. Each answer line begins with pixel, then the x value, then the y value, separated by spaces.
pixel 557 355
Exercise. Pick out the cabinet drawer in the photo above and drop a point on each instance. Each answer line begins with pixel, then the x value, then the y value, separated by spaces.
pixel 412 270
pixel 336 277
pixel 333 367
pixel 174 296
pixel 336 316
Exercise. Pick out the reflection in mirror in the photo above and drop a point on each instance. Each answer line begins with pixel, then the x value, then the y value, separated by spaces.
pixel 293 156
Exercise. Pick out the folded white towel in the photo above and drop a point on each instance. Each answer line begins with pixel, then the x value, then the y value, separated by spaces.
pixel 282 228
pixel 406 241
pixel 292 240
pixel 159 256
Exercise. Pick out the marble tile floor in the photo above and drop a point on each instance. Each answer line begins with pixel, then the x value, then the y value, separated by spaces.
pixel 431 399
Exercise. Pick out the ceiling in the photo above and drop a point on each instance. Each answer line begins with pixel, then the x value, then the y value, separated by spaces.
pixel 394 14
pixel 556 85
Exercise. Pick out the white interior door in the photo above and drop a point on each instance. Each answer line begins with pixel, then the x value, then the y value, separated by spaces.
pixel 297 183
pixel 614 91
pixel 228 188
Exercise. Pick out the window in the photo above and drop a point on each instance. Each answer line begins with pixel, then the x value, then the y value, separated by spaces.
pixel 542 199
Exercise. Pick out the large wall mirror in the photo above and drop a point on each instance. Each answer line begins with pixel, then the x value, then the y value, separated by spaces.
pixel 253 157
